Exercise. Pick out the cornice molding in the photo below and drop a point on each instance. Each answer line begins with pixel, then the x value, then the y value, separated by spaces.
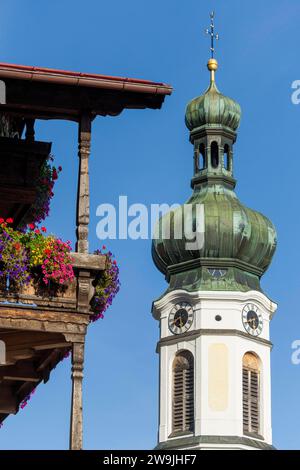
pixel 213 179
pixel 191 335
pixel 226 296
pixel 202 131
pixel 216 263
pixel 192 441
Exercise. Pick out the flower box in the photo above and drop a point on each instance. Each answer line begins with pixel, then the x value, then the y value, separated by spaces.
pixel 74 296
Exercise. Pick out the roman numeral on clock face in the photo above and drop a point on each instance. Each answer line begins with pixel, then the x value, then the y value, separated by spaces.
pixel 252 319
pixel 181 318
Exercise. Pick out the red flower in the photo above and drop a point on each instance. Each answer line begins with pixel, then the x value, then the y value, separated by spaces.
pixel 37 231
pixel 10 220
pixel 54 174
pixel 31 226
pixel 43 229
pixel 104 247
pixel 18 246
pixel 1 220
pixel 114 262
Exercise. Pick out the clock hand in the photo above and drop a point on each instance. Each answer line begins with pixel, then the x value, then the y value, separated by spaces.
pixel 176 321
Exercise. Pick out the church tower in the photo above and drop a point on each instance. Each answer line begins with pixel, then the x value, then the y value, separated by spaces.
pixel 214 346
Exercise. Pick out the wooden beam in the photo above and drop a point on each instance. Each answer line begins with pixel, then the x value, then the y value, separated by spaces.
pixel 22 195
pixel 36 112
pixel 22 371
pixel 17 341
pixel 83 190
pixel 17 355
pixel 76 428
pixel 43 320
pixel 30 132
pixel 88 261
pixel 8 402
pixel 24 390
pixel 49 360
pixel 42 347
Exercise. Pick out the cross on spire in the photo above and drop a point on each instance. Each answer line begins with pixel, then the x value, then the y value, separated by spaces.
pixel 211 33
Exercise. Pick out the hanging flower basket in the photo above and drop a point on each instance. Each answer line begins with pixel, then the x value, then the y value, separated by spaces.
pixel 35 263
pixel 106 286
pixel 44 192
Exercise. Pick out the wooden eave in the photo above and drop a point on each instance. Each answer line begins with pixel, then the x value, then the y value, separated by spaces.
pixel 42 93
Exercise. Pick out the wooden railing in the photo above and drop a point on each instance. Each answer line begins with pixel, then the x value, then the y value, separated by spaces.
pixel 75 296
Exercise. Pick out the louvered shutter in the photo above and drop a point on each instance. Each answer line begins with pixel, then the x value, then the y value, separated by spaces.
pixel 183 392
pixel 246 419
pixel 251 418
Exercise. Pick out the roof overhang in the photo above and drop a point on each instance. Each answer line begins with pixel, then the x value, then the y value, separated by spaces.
pixel 43 93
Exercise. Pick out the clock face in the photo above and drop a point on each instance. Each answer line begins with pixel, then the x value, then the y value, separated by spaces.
pixel 252 320
pixel 181 318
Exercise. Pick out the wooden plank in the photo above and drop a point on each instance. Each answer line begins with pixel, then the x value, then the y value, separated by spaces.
pixel 8 402
pixel 25 344
pixel 22 147
pixel 49 345
pixel 13 194
pixel 87 261
pixel 50 360
pixel 22 371
pixel 14 356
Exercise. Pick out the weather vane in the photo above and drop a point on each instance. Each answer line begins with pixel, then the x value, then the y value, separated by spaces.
pixel 212 34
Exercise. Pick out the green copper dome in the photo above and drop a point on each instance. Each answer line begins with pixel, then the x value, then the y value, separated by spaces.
pixel 236 240
pixel 212 108
pixel 232 245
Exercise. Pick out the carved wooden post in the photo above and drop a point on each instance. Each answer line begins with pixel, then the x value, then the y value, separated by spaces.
pixel 76 431
pixel 29 136
pixel 83 193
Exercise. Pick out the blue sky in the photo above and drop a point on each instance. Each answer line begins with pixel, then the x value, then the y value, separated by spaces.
pixel 146 155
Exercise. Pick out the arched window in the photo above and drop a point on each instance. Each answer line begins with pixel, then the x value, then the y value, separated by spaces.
pixel 214 154
pixel 251 393
pixel 226 157
pixel 201 158
pixel 183 392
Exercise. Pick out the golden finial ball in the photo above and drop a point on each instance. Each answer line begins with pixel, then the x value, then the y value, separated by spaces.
pixel 212 65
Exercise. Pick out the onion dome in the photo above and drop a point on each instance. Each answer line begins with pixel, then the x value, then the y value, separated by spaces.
pixel 212 108
pixel 233 248
pixel 213 241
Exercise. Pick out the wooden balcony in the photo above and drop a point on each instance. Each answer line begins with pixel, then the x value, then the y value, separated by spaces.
pixel 74 297
pixel 20 163
pixel 39 326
